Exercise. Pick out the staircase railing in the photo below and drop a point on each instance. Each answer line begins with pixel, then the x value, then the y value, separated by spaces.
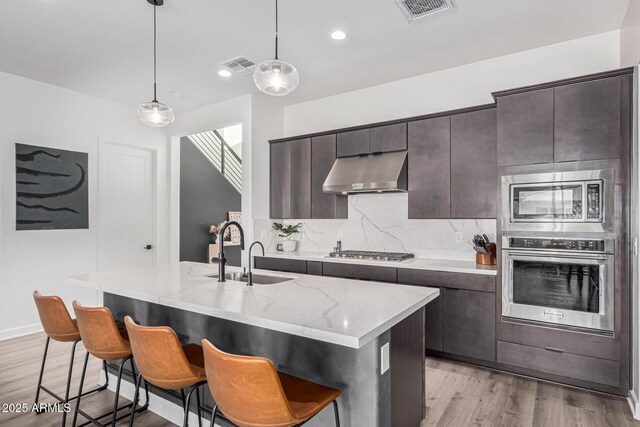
pixel 214 148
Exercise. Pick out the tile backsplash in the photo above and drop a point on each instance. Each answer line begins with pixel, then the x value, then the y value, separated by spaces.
pixel 379 222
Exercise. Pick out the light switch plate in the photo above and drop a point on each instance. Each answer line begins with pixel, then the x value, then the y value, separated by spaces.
pixel 384 358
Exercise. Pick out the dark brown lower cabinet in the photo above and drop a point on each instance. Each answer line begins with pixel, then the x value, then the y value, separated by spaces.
pixel 360 272
pixel 557 362
pixel 468 323
pixel 433 324
pixel 281 264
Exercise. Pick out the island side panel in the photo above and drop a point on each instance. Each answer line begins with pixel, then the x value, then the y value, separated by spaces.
pixel 408 387
pixel 366 395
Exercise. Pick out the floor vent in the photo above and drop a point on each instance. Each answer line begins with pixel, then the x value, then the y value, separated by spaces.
pixel 416 9
pixel 240 65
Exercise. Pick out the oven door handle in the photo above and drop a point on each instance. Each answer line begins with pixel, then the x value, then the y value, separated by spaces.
pixel 560 255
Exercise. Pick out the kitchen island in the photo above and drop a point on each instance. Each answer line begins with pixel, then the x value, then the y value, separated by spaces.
pixel 364 338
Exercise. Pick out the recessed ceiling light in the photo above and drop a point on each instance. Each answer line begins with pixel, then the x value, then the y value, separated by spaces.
pixel 338 35
pixel 224 73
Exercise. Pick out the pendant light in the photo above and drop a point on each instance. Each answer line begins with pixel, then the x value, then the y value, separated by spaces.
pixel 276 77
pixel 155 113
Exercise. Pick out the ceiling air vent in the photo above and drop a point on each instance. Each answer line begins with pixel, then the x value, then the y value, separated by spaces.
pixel 240 65
pixel 416 9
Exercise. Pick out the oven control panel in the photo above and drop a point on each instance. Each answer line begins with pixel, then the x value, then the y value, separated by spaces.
pixel 557 244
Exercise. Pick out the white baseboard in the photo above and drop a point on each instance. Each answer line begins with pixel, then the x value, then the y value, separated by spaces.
pixel 7 334
pixel 168 410
pixel 634 404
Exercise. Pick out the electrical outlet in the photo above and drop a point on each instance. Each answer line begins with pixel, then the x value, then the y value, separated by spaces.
pixel 384 359
pixel 458 236
pixel 263 234
pixel 339 234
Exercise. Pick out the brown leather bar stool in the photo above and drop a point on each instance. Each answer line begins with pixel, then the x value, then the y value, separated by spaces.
pixel 166 363
pixel 103 339
pixel 250 392
pixel 59 326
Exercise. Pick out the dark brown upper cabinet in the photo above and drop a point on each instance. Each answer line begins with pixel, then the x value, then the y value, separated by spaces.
pixel 429 164
pixel 290 186
pixel 388 138
pixel 473 164
pixel 353 143
pixel 323 155
pixel 525 128
pixel 378 139
pixel 591 119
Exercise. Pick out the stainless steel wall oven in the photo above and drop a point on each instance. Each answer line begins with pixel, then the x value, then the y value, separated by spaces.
pixel 562 281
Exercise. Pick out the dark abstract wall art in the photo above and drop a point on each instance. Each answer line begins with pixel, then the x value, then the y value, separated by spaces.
pixel 52 191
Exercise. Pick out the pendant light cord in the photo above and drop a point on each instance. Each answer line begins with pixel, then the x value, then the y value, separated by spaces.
pixel 276 29
pixel 155 97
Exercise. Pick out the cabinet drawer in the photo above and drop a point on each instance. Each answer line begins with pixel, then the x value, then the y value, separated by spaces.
pixel 281 264
pixel 314 268
pixel 361 272
pixel 554 362
pixel 472 282
pixel 599 346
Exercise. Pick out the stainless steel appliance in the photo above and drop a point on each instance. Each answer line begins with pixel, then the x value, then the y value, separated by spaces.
pixel 372 255
pixel 571 201
pixel 562 281
pixel 372 173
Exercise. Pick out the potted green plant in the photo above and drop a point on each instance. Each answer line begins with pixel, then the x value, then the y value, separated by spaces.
pixel 287 232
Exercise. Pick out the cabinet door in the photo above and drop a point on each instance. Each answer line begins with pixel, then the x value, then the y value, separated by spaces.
pixel 429 168
pixel 280 184
pixel 353 143
pixel 323 155
pixel 588 119
pixel 290 184
pixel 469 323
pixel 433 324
pixel 388 138
pixel 360 272
pixel 280 264
pixel 300 178
pixel 525 128
pixel 474 184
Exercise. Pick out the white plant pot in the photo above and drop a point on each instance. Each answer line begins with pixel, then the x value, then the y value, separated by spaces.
pixel 289 245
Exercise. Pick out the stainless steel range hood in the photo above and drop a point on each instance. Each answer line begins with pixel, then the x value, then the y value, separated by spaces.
pixel 373 173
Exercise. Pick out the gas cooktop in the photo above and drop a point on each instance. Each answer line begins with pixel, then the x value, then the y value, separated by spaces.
pixel 372 255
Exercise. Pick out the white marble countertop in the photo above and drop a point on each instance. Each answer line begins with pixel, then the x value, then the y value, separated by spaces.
pixel 345 312
pixel 446 265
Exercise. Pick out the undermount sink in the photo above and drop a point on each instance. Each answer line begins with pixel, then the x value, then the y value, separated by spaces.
pixel 258 279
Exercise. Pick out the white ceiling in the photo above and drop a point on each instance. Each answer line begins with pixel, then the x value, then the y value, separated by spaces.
pixel 104 48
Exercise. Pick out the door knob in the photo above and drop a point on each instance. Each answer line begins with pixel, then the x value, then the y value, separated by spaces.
pixel 148 247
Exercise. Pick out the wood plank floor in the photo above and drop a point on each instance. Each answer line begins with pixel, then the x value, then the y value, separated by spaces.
pixel 458 395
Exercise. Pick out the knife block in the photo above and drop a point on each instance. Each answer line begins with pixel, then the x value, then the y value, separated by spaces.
pixel 487 259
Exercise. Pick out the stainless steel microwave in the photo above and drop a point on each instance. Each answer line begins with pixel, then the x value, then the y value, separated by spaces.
pixel 575 201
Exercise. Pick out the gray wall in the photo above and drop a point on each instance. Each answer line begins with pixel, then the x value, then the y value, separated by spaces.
pixel 205 198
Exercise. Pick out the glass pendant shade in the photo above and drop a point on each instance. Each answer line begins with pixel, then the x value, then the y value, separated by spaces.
pixel 155 114
pixel 275 77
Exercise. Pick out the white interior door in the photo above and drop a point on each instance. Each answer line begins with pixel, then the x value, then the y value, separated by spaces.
pixel 127 200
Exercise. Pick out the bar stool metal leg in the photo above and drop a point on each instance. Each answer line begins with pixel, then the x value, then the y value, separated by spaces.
pixel 335 409
pixel 214 412
pixel 44 359
pixel 198 406
pixel 190 391
pixel 84 371
pixel 115 402
pixel 116 409
pixel 66 394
